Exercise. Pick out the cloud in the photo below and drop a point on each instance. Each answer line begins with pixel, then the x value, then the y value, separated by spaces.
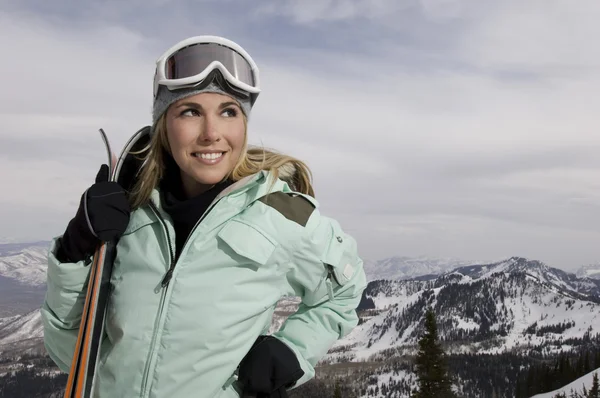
pixel 445 128
pixel 306 12
pixel 314 11
pixel 542 35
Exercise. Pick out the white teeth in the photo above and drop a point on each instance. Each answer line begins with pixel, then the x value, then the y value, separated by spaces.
pixel 209 156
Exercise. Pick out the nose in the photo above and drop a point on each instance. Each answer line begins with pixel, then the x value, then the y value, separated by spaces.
pixel 209 130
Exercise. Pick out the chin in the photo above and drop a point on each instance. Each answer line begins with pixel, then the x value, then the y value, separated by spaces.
pixel 210 178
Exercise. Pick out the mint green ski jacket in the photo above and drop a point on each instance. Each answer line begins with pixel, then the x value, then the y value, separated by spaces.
pixel 256 244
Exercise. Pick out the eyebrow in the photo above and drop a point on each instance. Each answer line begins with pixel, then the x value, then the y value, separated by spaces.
pixel 195 105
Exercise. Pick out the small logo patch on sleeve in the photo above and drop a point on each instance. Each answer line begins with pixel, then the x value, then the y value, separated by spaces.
pixel 348 271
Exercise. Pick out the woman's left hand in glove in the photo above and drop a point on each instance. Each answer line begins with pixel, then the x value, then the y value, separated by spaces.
pixel 269 368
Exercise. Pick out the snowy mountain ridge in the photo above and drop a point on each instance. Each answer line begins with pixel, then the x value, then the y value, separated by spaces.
pixel 14 248
pixel 575 386
pixel 22 334
pixel 19 328
pixel 25 263
pixel 515 305
pixel 589 271
pixel 553 278
pixel 403 267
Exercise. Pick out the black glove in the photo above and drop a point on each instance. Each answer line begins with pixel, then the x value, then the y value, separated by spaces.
pixel 269 368
pixel 108 212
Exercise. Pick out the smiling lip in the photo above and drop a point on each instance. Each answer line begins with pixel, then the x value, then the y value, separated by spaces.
pixel 209 157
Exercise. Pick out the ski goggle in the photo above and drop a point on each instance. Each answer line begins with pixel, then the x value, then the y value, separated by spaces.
pixel 191 61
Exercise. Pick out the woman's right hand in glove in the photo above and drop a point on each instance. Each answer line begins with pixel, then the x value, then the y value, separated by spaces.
pixel 103 215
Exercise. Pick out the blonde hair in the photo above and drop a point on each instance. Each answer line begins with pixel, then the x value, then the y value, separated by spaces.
pixel 251 161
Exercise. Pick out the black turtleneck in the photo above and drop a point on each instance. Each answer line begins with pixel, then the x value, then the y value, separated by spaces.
pixel 184 211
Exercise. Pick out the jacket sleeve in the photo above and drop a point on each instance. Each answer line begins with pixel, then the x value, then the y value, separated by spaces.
pixel 63 306
pixel 327 273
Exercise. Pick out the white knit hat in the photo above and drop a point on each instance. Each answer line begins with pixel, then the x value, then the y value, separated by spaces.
pixel 166 97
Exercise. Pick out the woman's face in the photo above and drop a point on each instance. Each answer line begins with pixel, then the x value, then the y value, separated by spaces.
pixel 206 137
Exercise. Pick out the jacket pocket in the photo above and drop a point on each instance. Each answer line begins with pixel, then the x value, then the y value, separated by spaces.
pixel 339 259
pixel 248 241
pixel 251 264
pixel 338 263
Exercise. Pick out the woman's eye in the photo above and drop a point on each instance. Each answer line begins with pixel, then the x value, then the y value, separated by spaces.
pixel 230 112
pixel 190 112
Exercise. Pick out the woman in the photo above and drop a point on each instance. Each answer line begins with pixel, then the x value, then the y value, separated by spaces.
pixel 211 235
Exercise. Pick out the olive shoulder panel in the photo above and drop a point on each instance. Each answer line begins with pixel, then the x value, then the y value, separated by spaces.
pixel 294 207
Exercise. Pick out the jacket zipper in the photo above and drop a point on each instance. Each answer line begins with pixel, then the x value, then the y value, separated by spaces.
pixel 169 273
pixel 331 273
pixel 161 305
pixel 150 357
pixel 164 283
pixel 167 278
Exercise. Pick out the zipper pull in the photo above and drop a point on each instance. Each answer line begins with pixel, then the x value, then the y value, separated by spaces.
pixel 167 277
pixel 331 274
pixel 164 281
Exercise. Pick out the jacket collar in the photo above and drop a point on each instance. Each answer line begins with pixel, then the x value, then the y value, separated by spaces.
pixel 249 189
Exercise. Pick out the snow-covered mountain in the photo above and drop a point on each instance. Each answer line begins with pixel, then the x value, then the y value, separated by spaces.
pixel 398 268
pixel 22 277
pixel 22 334
pixel 24 262
pixel 553 278
pixel 512 305
pixel 575 386
pixel 285 307
pixel 12 248
pixel 589 271
pixel 19 328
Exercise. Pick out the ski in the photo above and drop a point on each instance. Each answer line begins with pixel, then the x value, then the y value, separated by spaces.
pixel 87 348
pixel 79 382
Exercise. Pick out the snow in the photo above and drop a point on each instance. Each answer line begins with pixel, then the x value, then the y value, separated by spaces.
pixel 387 378
pixel 589 271
pixel 383 301
pixel 463 324
pixel 545 299
pixel 19 328
pixel 4 321
pixel 545 312
pixel 283 309
pixel 27 265
pixel 576 386
pixel 534 292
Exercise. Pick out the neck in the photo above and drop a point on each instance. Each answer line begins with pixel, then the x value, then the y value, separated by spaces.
pixel 192 188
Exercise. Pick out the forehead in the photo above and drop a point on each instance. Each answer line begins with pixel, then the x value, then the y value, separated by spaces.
pixel 207 99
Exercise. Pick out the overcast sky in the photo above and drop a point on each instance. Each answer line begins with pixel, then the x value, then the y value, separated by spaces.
pixel 444 128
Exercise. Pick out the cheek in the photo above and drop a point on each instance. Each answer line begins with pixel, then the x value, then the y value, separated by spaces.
pixel 178 135
pixel 236 138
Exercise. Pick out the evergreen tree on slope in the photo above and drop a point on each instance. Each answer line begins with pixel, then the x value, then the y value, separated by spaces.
pixel 432 373
pixel 337 393
pixel 595 390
